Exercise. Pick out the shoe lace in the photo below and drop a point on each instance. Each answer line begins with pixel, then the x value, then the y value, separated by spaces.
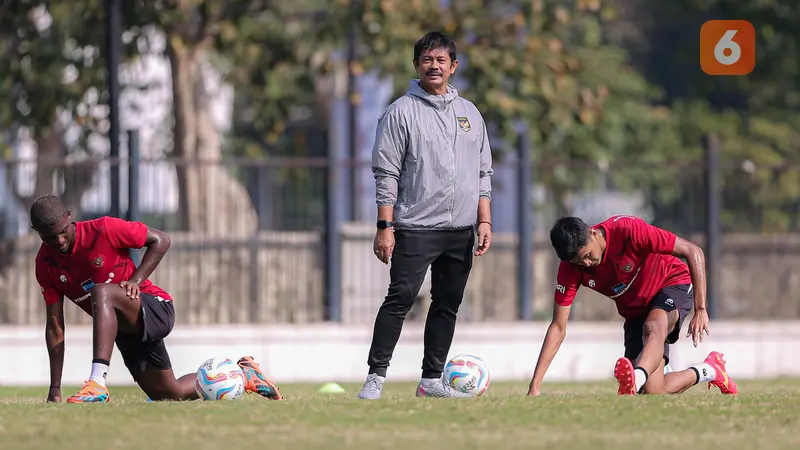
pixel 89 389
pixel 373 383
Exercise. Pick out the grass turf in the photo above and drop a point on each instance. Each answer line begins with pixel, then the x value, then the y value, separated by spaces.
pixel 567 416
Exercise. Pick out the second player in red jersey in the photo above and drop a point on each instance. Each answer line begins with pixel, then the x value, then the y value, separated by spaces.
pixel 638 266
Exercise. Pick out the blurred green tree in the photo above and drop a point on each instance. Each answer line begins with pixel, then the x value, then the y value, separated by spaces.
pixel 51 83
pixel 755 115
pixel 545 64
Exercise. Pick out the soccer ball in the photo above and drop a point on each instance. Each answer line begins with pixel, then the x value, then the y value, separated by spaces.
pixel 219 378
pixel 468 374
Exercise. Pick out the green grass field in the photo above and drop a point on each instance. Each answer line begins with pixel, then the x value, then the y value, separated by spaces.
pixel 579 416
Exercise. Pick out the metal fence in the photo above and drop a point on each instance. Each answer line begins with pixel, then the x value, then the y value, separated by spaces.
pixel 252 239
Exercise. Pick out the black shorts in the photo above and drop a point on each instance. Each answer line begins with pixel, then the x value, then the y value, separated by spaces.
pixel 680 297
pixel 148 350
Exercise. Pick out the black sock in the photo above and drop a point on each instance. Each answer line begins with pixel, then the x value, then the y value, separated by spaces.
pixel 696 374
pixel 379 371
pixel 431 374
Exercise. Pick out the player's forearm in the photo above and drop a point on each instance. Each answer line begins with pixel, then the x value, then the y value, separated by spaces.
pixel 552 342
pixel 152 258
pixel 697 269
pixel 54 339
pixel 484 210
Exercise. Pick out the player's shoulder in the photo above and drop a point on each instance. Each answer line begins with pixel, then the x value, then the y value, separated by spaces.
pixel 45 258
pixel 98 223
pixel 621 222
pixel 565 268
pixel 43 255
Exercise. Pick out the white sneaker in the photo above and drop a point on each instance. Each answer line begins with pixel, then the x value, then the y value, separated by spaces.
pixel 436 387
pixel 372 388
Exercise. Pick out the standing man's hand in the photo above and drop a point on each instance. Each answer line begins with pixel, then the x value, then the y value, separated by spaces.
pixel 484 238
pixel 384 244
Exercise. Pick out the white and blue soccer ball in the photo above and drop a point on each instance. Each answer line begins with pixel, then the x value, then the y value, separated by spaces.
pixel 468 374
pixel 219 378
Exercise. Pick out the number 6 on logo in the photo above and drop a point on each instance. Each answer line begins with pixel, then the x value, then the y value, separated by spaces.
pixel 727 47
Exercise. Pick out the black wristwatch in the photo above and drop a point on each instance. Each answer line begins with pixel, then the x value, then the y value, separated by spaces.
pixel 384 224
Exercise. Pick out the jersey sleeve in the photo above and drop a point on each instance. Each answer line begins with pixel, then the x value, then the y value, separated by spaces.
pixel 125 234
pixel 50 294
pixel 567 284
pixel 649 238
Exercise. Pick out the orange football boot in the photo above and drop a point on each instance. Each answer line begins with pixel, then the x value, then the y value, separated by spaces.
pixel 91 392
pixel 255 380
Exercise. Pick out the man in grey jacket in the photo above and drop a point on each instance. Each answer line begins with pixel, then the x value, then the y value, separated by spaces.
pixel 432 164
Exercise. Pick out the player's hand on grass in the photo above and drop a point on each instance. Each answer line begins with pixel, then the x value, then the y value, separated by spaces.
pixel 698 326
pixel 484 238
pixel 384 245
pixel 54 395
pixel 131 289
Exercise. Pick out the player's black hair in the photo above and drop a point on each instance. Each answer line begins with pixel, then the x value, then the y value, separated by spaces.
pixel 46 211
pixel 568 236
pixel 433 41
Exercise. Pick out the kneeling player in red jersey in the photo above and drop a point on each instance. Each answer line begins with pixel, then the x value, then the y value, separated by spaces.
pixel 89 262
pixel 637 265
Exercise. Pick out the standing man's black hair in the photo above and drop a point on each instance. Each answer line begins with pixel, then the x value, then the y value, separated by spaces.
pixel 46 211
pixel 435 40
pixel 568 236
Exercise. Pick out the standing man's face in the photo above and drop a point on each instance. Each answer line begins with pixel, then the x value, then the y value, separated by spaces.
pixel 434 68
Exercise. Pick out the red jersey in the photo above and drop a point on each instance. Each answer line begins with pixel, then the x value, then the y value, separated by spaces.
pixel 100 255
pixel 637 263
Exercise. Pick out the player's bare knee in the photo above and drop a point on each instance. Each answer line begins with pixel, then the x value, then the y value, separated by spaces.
pixel 652 329
pixel 107 293
pixel 101 294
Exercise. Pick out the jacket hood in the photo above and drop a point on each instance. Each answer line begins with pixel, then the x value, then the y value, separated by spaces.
pixel 439 102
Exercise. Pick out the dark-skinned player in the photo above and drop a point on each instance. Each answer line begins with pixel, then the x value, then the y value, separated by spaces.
pixel 89 263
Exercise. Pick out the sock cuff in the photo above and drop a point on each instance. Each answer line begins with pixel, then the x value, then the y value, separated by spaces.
pixel 100 361
pixel 696 374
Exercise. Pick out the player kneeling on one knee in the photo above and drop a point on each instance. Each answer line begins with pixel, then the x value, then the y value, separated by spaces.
pixel 89 262
pixel 639 267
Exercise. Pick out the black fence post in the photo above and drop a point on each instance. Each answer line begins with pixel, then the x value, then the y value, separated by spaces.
pixel 334 212
pixel 134 164
pixel 525 227
pixel 713 228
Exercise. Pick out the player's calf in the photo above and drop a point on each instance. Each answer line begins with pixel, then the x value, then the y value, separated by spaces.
pixel 161 385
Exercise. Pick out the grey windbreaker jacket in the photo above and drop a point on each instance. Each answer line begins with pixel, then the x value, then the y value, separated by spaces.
pixel 432 160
